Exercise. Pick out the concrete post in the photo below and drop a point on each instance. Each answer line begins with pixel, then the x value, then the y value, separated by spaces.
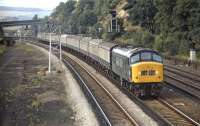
pixel 49 53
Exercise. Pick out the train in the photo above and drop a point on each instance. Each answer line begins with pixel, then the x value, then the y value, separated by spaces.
pixel 140 70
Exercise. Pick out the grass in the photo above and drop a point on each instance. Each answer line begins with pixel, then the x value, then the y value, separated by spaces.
pixel 35 103
pixel 2 49
pixel 36 80
pixel 182 56
pixel 26 48
pixel 186 57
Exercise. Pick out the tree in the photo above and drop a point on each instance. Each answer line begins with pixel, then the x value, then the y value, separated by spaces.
pixel 64 10
pixel 142 13
pixel 88 18
pixel 164 16
pixel 166 25
pixel 179 21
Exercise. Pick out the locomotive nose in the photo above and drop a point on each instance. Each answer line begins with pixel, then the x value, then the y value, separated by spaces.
pixel 147 72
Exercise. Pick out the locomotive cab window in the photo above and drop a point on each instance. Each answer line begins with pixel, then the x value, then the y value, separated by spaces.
pixel 135 58
pixel 150 56
pixel 156 57
pixel 146 56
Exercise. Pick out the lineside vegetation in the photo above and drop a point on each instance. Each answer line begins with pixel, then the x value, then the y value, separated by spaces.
pixel 169 26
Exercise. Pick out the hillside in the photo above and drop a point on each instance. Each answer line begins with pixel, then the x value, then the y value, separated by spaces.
pixel 169 26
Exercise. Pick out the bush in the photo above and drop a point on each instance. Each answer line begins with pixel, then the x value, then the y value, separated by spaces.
pixel 183 49
pixel 159 42
pixel 170 44
pixel 140 38
pixel 110 36
pixel 114 3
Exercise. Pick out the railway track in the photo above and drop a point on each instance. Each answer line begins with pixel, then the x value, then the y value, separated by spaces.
pixel 189 119
pixel 186 81
pixel 183 73
pixel 167 111
pixel 117 115
pixel 103 117
pixel 182 70
pixel 170 113
pixel 113 112
pixel 186 104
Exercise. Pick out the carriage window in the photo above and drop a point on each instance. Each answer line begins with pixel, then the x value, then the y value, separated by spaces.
pixel 117 61
pixel 121 62
pixel 135 58
pixel 145 56
pixel 157 58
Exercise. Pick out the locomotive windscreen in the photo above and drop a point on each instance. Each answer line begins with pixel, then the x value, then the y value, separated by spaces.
pixel 145 56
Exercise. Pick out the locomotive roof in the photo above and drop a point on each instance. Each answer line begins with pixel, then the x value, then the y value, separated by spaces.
pixel 107 45
pixel 128 51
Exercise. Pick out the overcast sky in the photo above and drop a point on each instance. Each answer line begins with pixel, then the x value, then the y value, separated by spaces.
pixel 43 4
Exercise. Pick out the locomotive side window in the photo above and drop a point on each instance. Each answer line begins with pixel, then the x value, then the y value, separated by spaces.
pixel 157 58
pixel 121 62
pixel 135 58
pixel 145 56
pixel 117 61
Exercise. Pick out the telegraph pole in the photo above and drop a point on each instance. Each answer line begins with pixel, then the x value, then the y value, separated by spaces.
pixel 60 44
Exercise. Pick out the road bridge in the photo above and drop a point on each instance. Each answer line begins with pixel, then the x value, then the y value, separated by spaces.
pixel 20 23
pixel 9 40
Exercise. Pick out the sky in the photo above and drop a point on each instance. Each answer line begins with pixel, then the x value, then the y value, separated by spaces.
pixel 43 4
